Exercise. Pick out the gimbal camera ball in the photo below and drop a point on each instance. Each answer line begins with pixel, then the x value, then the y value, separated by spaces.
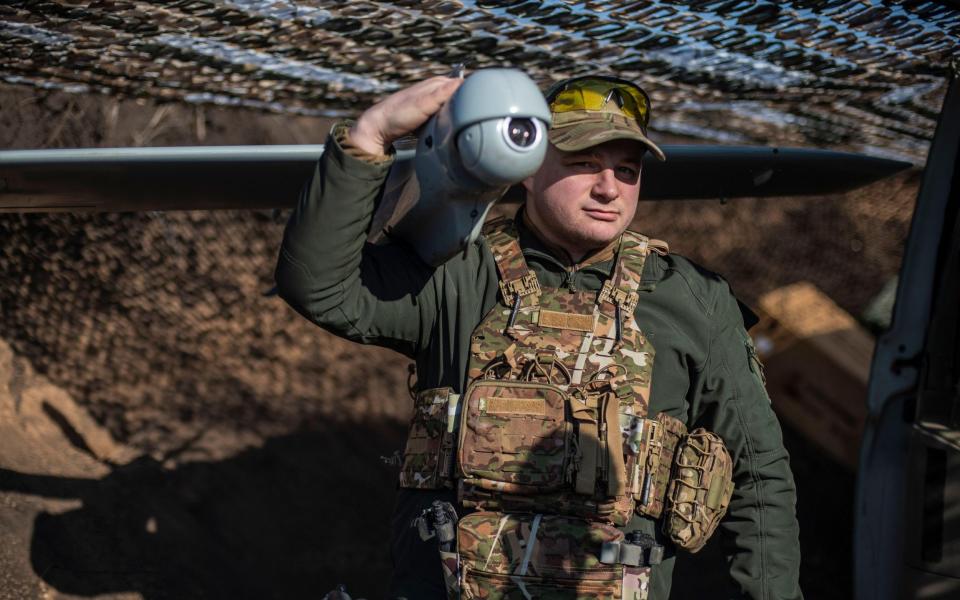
pixel 490 135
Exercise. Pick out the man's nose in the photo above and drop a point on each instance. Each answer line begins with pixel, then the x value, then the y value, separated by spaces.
pixel 605 187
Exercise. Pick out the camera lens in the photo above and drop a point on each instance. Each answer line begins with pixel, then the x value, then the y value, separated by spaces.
pixel 522 134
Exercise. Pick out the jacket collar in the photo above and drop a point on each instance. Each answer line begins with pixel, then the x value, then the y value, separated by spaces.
pixel 532 241
pixel 600 261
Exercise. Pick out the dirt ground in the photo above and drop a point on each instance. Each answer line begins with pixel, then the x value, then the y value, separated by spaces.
pixel 171 430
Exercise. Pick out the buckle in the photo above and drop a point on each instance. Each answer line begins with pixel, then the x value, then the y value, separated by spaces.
pixel 634 551
pixel 525 286
pixel 627 301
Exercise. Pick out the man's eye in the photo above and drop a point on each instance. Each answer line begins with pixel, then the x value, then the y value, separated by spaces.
pixel 581 166
pixel 628 172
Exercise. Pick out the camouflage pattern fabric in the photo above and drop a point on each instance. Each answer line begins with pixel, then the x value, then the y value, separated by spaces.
pixel 426 458
pixel 515 276
pixel 636 583
pixel 478 494
pixel 586 356
pixel 658 448
pixel 542 556
pixel 700 490
pixel 450 563
pixel 575 349
pixel 514 436
pixel 554 423
pixel 577 130
pixel 622 288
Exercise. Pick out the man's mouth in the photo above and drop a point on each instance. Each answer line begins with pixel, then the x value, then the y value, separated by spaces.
pixel 601 215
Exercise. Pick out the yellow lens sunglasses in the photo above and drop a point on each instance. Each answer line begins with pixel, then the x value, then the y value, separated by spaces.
pixel 594 93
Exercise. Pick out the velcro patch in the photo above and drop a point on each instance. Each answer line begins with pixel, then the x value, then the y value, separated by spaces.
pixel 562 320
pixel 515 406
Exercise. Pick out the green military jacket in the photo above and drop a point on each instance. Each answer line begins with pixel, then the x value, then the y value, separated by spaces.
pixel 704 373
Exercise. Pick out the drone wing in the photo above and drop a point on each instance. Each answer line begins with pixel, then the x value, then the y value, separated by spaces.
pixel 258 177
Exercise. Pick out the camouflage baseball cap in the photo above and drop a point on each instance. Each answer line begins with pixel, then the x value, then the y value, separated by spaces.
pixel 594 109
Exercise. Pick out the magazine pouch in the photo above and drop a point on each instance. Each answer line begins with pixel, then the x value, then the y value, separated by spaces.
pixel 527 556
pixel 657 443
pixel 699 491
pixel 427 458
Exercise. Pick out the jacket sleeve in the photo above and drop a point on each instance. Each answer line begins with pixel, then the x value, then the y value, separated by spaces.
pixel 330 274
pixel 760 531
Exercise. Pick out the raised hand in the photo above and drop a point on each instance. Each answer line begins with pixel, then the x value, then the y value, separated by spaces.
pixel 401 113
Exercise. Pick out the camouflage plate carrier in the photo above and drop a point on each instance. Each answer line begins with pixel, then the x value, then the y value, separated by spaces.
pixel 551 446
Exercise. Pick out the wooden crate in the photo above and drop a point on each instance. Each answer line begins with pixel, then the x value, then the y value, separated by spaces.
pixel 817 360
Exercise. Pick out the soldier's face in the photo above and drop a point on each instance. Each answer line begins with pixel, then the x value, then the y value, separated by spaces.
pixel 583 200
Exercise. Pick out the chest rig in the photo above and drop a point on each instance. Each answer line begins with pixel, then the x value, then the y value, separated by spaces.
pixel 551 446
pixel 559 385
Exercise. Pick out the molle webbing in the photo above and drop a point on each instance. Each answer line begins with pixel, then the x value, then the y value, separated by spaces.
pixel 512 448
pixel 570 462
pixel 622 288
pixel 657 441
pixel 516 279
pixel 428 456
pixel 547 556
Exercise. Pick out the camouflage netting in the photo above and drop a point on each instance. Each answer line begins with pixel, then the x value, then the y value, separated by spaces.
pixel 158 323
pixel 864 75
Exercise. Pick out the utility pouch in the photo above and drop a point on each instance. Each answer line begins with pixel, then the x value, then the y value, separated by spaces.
pixel 533 447
pixel 600 464
pixel 428 456
pixel 514 437
pixel 700 490
pixel 522 556
pixel 657 442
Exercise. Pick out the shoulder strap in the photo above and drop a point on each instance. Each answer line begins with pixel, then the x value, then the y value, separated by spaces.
pixel 621 288
pixel 659 246
pixel 517 281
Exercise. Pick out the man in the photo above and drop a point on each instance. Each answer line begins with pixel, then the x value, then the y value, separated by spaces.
pixel 571 235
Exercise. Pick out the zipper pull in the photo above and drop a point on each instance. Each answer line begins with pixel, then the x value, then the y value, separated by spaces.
pixel 571 286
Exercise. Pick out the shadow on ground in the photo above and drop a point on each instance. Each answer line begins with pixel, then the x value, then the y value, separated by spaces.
pixel 288 520
pixel 310 510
